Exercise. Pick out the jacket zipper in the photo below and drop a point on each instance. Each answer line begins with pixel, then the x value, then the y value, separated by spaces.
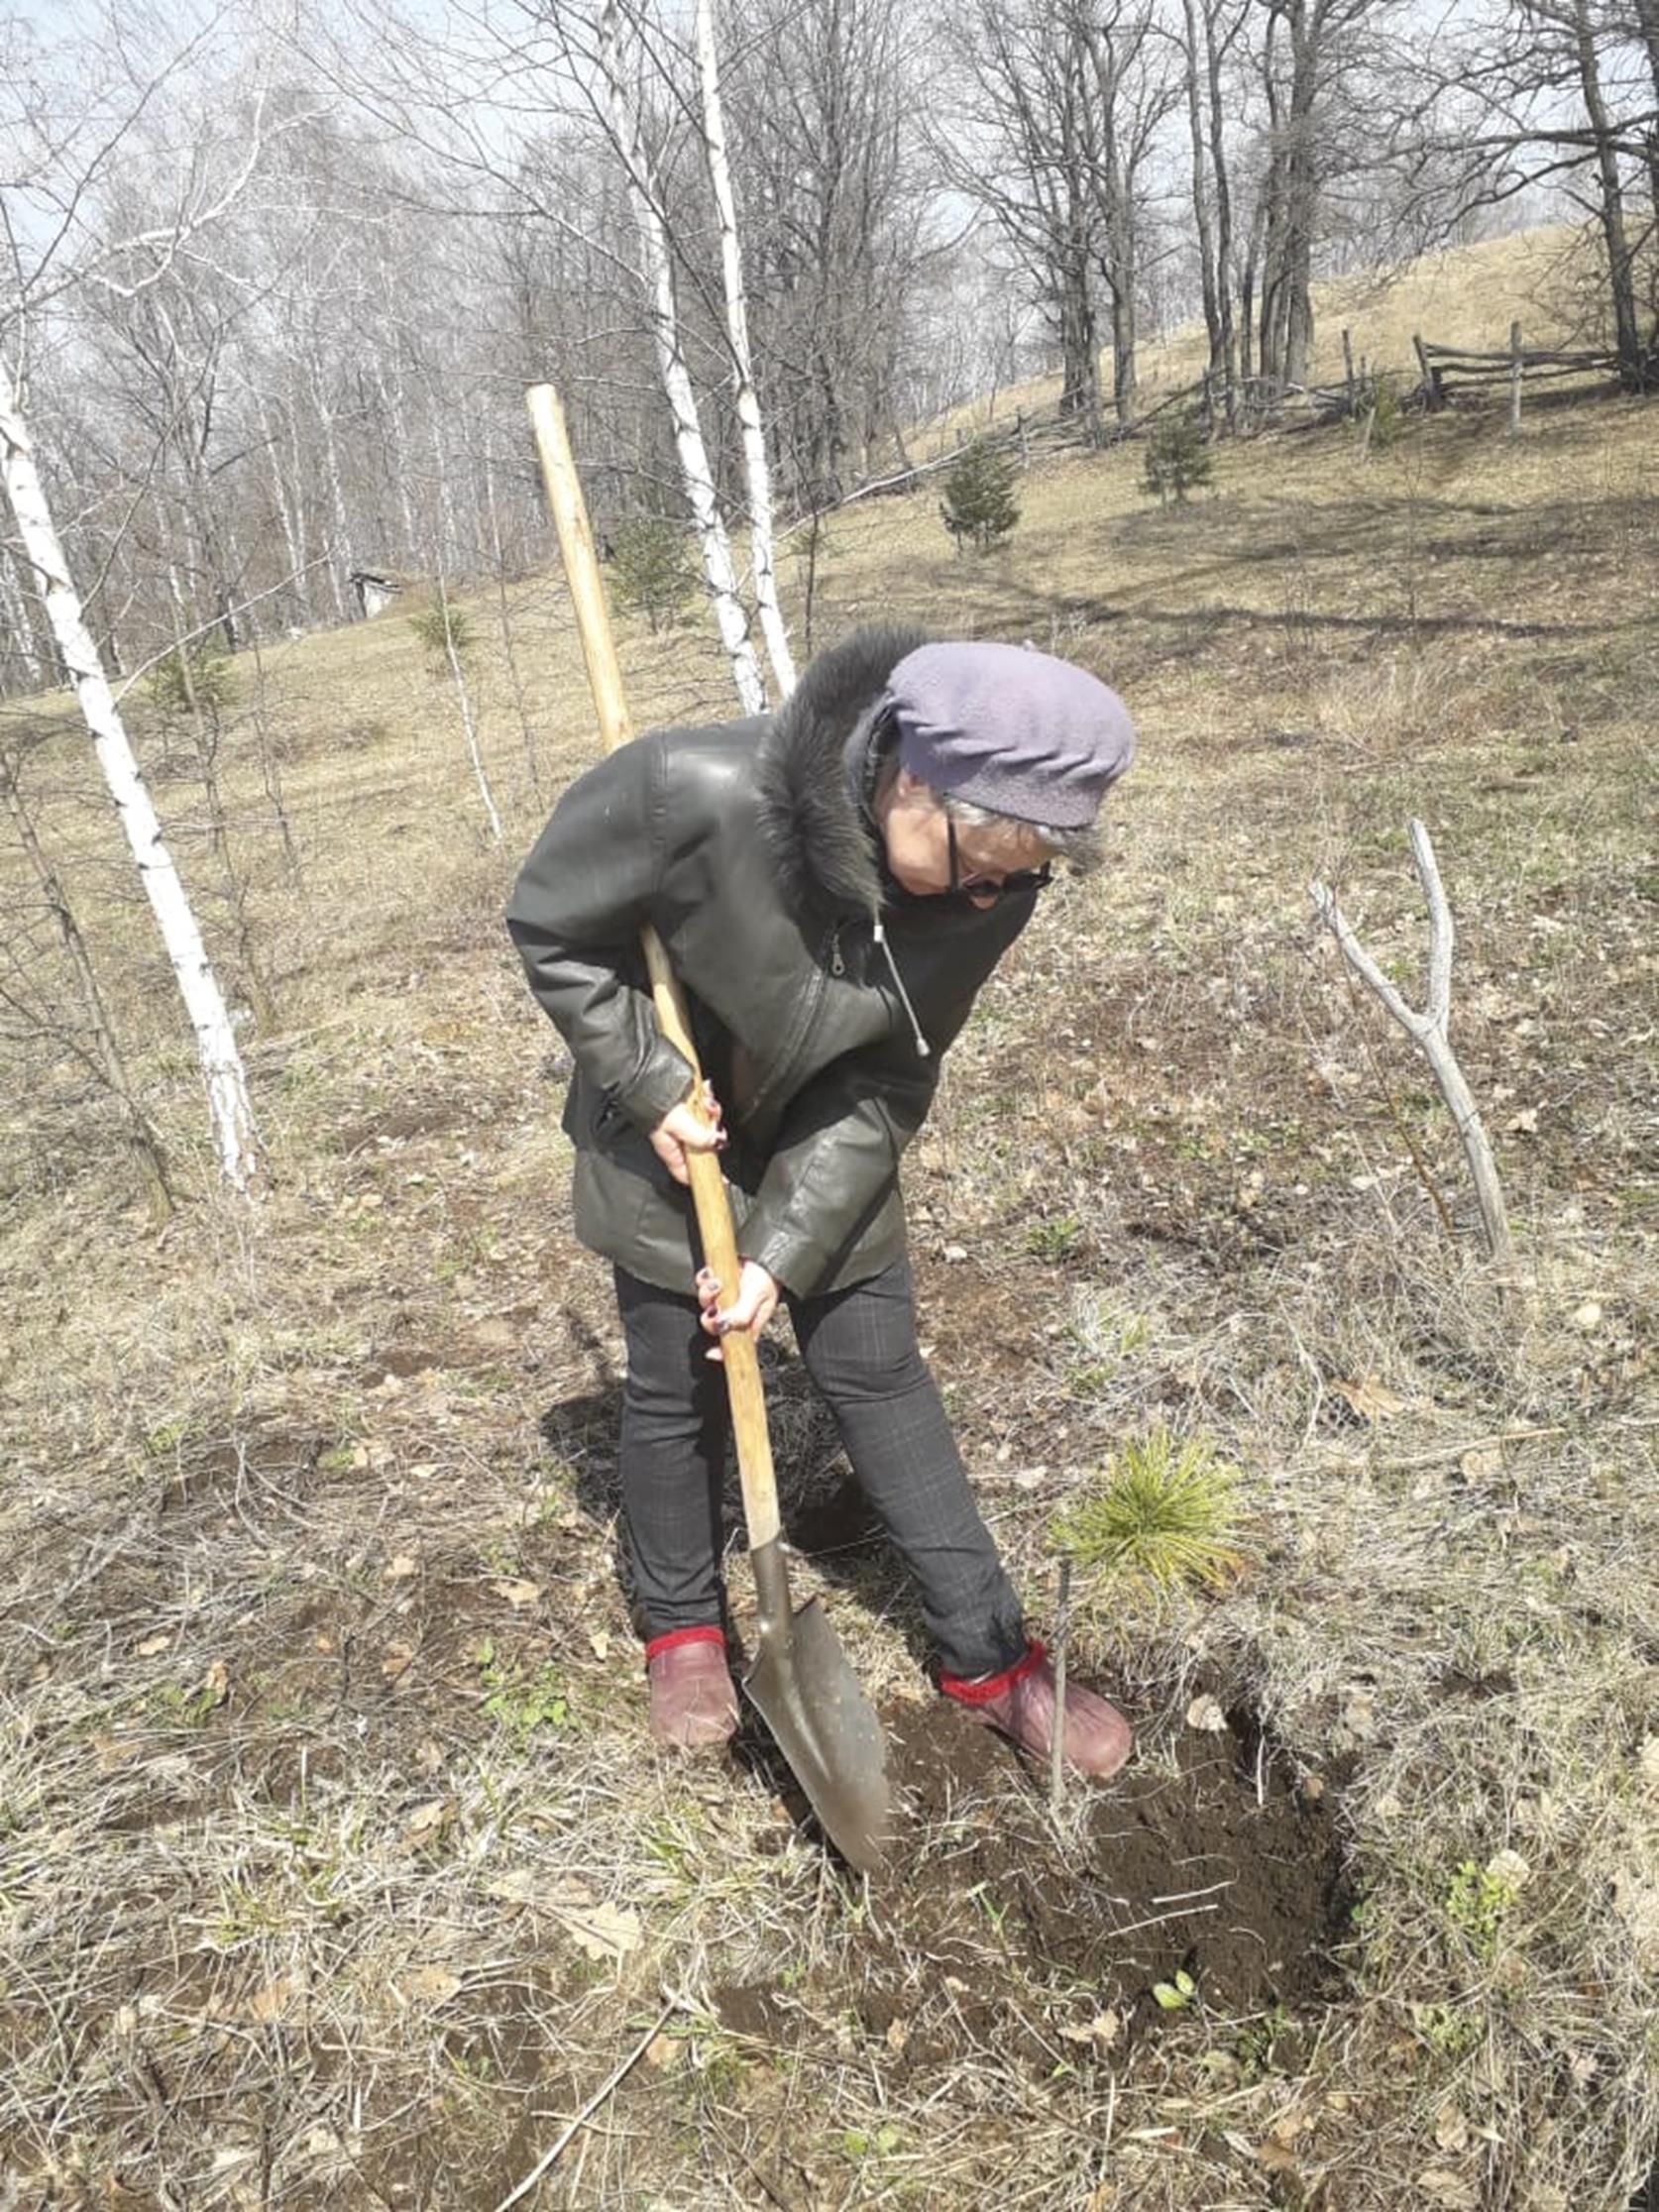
pixel 784 1066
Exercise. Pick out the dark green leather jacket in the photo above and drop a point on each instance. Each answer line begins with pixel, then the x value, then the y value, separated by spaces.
pixel 748 848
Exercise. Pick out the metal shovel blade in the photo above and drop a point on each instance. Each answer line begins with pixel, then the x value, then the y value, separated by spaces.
pixel 824 1725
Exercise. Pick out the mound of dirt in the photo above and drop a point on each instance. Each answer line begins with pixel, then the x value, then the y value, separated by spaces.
pixel 1205 1860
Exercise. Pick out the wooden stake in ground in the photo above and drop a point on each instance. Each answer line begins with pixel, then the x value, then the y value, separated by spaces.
pixel 1430 1030
pixel 235 1137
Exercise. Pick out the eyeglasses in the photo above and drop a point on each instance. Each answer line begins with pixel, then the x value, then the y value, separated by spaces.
pixel 985 889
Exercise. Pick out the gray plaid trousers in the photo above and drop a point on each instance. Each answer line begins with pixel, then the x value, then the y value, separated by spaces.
pixel 860 1348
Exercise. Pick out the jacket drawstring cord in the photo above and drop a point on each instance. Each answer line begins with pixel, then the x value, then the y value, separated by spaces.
pixel 921 1046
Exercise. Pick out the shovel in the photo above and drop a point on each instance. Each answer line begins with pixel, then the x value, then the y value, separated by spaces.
pixel 801 1682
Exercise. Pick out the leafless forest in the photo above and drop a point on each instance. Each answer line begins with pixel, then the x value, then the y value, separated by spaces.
pixel 276 279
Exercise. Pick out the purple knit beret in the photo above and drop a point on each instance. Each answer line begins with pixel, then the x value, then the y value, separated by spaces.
pixel 1010 729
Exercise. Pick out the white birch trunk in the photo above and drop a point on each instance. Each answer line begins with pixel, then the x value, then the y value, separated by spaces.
pixel 291 516
pixel 235 1137
pixel 458 677
pixel 695 470
pixel 507 652
pixel 391 407
pixel 755 464
pixel 343 560
pixel 457 674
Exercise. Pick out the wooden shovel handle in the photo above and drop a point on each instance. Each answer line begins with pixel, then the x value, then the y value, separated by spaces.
pixel 708 1184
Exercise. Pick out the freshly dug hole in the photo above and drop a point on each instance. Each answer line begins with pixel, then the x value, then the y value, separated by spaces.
pixel 1204 1857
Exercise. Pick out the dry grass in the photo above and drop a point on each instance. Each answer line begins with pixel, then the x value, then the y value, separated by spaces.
pixel 1463 296
pixel 304 1901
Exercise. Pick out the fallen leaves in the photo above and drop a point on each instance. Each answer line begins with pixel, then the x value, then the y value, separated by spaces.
pixel 1451 2131
pixel 602 1932
pixel 1510 1870
pixel 427 1985
pixel 428 1822
pixel 1205 1714
pixel 599 1930
pixel 1482 1464
pixel 1367 1397
pixel 272 2001
pixel 1358 1724
pixel 519 1594
pixel 1452 2191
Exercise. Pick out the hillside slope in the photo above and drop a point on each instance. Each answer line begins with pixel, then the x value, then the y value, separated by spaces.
pixel 334 1867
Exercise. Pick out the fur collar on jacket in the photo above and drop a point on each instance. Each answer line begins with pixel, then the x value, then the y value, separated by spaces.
pixel 819 840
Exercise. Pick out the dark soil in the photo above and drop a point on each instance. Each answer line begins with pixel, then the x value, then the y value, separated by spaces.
pixel 1204 1858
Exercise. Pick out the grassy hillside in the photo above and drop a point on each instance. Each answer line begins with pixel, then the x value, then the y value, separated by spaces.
pixel 334 1866
pixel 1463 296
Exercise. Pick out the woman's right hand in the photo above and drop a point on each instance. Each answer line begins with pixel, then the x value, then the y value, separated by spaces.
pixel 684 1130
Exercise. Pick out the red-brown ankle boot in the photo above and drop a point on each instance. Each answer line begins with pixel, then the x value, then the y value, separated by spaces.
pixel 1020 1703
pixel 694 1701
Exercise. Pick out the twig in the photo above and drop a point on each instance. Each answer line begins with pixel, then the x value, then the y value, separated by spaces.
pixel 550 2158
pixel 1429 1029
pixel 1158 1920
pixel 1056 1748
pixel 1472 1444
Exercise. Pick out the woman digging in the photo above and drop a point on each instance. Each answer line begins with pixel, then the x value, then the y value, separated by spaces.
pixel 833 884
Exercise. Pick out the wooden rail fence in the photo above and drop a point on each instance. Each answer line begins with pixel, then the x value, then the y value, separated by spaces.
pixel 1251 404
pixel 1449 370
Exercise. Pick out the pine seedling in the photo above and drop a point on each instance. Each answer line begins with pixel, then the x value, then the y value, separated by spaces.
pixel 979 503
pixel 441 629
pixel 652 569
pixel 1177 460
pixel 1165 1513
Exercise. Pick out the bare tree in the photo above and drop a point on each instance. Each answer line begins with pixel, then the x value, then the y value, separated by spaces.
pixel 101 1052
pixel 49 194
pixel 644 192
pixel 1212 28
pixel 756 469
pixel 232 1116
pixel 1064 108
pixel 825 102
pixel 1430 1030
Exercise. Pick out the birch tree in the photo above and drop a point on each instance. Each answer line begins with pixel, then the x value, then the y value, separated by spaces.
pixel 657 274
pixel 755 468
pixel 51 181
pixel 236 1139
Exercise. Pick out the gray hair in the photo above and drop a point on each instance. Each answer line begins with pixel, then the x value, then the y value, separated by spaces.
pixel 1078 849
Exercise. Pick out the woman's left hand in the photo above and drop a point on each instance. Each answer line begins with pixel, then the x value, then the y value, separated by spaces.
pixel 755 1305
